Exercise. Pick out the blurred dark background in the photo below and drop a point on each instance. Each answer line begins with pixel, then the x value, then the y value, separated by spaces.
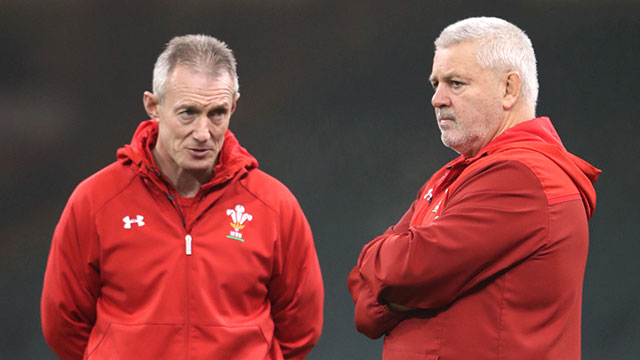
pixel 335 104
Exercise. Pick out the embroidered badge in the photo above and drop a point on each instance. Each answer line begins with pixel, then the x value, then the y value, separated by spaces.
pixel 128 221
pixel 239 216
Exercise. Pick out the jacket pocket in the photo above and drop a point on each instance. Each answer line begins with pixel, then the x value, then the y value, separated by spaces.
pixel 229 342
pixel 140 342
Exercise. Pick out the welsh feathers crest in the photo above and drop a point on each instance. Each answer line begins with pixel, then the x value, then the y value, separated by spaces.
pixel 239 217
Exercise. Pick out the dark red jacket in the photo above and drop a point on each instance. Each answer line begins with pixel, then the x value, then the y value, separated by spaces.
pixel 490 256
pixel 136 272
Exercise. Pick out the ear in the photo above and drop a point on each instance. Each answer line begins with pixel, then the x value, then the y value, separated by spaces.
pixel 235 100
pixel 151 105
pixel 512 83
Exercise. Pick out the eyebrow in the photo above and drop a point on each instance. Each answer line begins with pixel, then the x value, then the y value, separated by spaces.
pixel 195 105
pixel 449 76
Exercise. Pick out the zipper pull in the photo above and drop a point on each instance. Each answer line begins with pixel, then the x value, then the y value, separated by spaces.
pixel 187 240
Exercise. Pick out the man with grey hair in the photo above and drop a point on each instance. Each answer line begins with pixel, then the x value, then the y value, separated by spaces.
pixel 488 262
pixel 183 248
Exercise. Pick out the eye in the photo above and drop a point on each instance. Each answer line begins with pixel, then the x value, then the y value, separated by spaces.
pixel 456 84
pixel 218 114
pixel 187 114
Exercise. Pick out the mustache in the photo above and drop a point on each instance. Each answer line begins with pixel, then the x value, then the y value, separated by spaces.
pixel 446 114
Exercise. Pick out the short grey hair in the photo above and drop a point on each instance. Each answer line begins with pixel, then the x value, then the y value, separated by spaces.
pixel 501 46
pixel 202 53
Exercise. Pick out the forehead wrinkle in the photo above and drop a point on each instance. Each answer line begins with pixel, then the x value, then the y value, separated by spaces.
pixel 193 97
pixel 193 87
pixel 462 55
pixel 454 70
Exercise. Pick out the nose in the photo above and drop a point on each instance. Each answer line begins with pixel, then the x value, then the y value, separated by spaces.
pixel 201 132
pixel 440 97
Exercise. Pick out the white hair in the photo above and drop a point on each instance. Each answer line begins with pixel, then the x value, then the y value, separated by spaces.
pixel 202 53
pixel 500 46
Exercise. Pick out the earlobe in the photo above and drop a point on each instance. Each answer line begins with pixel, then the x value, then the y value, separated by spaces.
pixel 512 85
pixel 150 102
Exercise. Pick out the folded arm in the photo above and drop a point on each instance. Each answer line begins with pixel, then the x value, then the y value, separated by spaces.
pixel 493 220
pixel 373 318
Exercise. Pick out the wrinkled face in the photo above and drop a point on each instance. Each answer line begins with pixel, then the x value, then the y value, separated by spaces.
pixel 193 119
pixel 466 99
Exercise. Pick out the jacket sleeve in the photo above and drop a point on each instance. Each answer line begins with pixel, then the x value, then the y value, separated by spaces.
pixel 296 291
pixel 372 318
pixel 494 219
pixel 71 285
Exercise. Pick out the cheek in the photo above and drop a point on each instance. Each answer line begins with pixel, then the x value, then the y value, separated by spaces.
pixel 475 109
pixel 169 128
pixel 483 117
pixel 218 134
pixel 166 136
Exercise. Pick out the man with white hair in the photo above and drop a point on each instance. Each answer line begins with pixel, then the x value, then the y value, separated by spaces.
pixel 183 248
pixel 489 260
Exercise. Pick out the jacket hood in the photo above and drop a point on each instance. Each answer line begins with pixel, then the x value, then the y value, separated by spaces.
pixel 232 159
pixel 539 135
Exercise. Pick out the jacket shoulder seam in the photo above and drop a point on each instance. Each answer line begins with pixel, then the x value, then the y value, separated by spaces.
pixel 116 193
pixel 547 182
pixel 524 165
pixel 244 186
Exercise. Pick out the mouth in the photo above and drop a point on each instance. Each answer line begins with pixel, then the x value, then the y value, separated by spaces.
pixel 198 152
pixel 446 123
pixel 443 121
pixel 444 117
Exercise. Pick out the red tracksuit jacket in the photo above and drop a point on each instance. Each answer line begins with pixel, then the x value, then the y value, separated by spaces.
pixel 490 256
pixel 135 272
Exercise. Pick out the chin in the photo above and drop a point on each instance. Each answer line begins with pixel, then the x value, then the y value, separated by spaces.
pixel 454 145
pixel 198 167
pixel 449 142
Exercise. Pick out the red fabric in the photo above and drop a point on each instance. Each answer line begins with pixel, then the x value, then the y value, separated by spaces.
pixel 490 257
pixel 112 292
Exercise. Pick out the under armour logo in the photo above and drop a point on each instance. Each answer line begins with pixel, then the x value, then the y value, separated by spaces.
pixel 429 196
pixel 138 220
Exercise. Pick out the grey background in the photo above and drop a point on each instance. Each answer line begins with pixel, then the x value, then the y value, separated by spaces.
pixel 335 103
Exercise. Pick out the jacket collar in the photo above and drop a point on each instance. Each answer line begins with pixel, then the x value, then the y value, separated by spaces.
pixel 232 160
pixel 538 130
pixel 540 136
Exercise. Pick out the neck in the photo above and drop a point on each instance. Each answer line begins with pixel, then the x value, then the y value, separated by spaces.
pixel 517 115
pixel 511 118
pixel 187 183
pixel 508 123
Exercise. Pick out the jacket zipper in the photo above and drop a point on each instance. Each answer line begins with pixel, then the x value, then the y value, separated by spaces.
pixel 187 240
pixel 188 251
pixel 188 300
